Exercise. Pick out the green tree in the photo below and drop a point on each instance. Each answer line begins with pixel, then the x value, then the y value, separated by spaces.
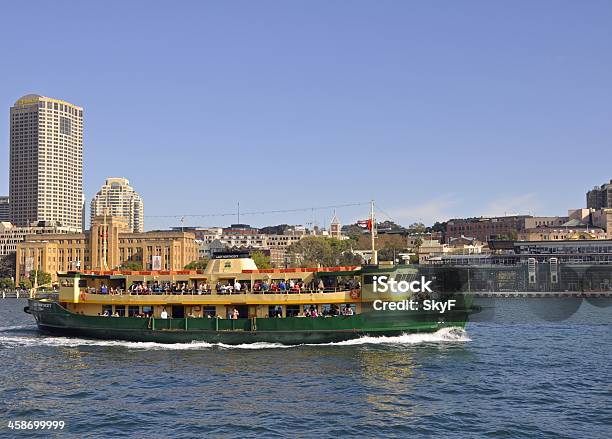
pixel 417 228
pixel 261 260
pixel 316 250
pixel 42 278
pixel 7 282
pixel 7 265
pixel 200 264
pixel 131 266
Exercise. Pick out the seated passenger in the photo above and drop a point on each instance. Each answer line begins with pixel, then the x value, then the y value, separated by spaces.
pixel 164 314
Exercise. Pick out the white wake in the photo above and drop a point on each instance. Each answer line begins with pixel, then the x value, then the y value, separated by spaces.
pixel 444 335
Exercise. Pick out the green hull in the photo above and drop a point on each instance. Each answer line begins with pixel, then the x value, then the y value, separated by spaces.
pixel 52 319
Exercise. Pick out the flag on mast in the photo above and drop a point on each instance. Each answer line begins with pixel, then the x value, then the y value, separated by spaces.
pixel 366 224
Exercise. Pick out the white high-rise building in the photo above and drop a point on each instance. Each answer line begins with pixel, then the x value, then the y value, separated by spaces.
pixel 118 198
pixel 46 162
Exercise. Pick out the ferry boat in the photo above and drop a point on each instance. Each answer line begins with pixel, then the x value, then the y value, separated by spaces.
pixel 234 302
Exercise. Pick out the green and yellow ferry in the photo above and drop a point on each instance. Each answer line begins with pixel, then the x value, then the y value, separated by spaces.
pixel 233 302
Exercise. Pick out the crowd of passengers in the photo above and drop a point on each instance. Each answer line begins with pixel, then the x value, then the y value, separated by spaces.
pixel 282 286
pixel 333 311
pixel 311 311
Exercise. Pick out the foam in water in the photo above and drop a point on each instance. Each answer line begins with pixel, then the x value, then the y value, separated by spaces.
pixel 444 335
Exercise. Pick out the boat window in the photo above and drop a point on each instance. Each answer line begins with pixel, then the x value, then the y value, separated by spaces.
pixel 275 311
pixel 133 310
pixel 293 310
pixel 209 311
pixel 350 305
pixel 147 310
pixel 120 309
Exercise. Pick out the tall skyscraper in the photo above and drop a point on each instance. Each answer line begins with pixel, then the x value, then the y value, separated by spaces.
pixel 118 198
pixel 46 162
pixel 4 209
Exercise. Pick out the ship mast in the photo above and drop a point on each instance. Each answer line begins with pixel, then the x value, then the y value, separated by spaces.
pixel 374 259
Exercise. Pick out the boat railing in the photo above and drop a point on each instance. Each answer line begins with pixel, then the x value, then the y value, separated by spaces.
pixel 198 292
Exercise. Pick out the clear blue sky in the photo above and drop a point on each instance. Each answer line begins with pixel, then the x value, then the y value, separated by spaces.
pixel 434 109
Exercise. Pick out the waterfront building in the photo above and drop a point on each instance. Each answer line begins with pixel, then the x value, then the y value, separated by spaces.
pixel 431 251
pixel 240 229
pixel 119 199
pixel 46 162
pixel 600 197
pixel 603 218
pixel 572 229
pixel 486 228
pixel 544 221
pixel 571 252
pixel 4 209
pixel 108 245
pixel 11 235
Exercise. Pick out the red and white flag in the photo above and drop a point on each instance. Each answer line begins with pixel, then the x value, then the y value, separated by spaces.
pixel 366 224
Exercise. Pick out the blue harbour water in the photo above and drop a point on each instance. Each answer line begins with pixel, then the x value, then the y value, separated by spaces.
pixel 526 368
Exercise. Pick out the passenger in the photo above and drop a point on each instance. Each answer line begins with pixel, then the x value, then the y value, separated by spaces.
pixel 164 314
pixel 103 289
pixel 321 285
pixel 235 314
pixel 282 286
pixel 314 313
pixel 237 286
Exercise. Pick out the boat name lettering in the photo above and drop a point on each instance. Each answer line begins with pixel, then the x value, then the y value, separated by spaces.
pixel 40 306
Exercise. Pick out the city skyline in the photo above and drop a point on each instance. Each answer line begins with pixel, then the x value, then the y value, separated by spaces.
pixel 488 111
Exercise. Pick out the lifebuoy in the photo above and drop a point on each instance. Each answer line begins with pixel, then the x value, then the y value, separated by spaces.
pixel 355 294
